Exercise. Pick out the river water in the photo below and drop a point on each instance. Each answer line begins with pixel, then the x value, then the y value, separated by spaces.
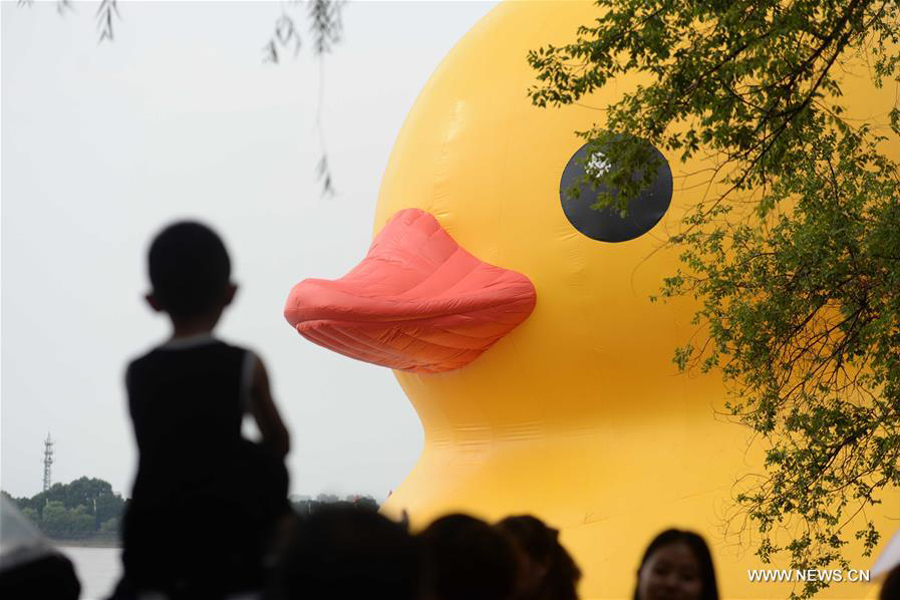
pixel 98 569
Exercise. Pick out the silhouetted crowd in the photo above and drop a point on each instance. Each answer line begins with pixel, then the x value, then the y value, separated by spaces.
pixel 343 552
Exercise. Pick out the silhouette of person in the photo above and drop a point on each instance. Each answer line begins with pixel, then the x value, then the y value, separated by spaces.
pixel 205 500
pixel 345 552
pixel 466 559
pixel 546 570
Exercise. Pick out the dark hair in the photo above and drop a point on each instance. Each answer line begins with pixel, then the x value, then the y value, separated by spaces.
pixel 343 552
pixel 890 589
pixel 541 544
pixel 467 559
pixel 700 551
pixel 189 268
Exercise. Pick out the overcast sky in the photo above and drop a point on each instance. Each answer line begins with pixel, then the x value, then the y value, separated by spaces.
pixel 103 144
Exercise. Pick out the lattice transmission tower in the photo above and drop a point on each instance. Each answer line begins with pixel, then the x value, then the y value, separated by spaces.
pixel 48 461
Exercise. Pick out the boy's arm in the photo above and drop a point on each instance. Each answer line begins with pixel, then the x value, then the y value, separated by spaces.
pixel 262 407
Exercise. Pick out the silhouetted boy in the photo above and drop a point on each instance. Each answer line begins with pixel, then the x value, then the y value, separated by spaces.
pixel 205 499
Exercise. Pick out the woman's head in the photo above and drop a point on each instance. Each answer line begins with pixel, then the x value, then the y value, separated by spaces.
pixel 546 569
pixel 677 565
pixel 467 559
pixel 344 552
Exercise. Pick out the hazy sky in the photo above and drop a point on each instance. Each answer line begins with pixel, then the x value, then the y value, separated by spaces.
pixel 103 144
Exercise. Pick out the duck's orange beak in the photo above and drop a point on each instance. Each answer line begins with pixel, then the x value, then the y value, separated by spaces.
pixel 417 302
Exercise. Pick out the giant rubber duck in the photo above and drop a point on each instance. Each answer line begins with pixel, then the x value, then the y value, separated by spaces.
pixel 521 328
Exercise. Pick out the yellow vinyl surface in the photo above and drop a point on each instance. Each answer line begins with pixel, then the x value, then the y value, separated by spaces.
pixel 578 415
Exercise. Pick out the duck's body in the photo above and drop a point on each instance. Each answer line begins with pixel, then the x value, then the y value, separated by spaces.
pixel 578 415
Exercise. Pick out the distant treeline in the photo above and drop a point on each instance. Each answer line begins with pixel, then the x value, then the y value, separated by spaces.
pixel 88 508
pixel 85 508
pixel 305 506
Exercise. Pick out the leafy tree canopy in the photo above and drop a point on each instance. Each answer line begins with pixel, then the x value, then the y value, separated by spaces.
pixel 800 295
pixel 74 510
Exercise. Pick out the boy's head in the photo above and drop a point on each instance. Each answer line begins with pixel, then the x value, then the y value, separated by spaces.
pixel 190 271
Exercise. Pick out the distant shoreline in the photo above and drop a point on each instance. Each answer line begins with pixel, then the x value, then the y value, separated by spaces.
pixel 87 543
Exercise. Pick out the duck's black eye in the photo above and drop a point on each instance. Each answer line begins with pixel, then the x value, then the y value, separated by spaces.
pixel 606 225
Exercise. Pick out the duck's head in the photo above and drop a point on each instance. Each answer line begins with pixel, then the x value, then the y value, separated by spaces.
pixel 495 299
pixel 487 300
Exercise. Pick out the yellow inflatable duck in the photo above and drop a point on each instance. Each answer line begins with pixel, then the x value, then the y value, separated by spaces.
pixel 576 414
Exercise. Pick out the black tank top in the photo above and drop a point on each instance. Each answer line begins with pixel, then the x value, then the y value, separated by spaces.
pixel 187 406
